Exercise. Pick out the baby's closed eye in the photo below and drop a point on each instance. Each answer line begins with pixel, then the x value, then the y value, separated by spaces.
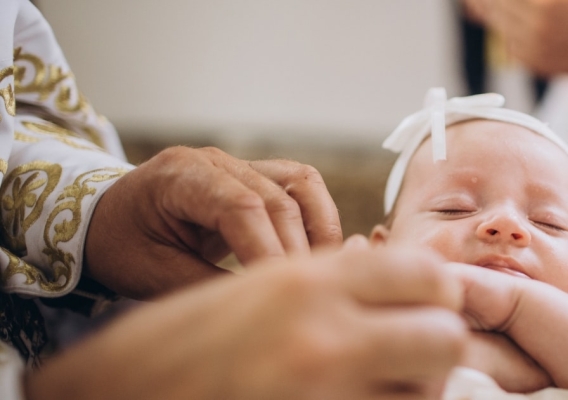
pixel 454 211
pixel 547 219
pixel 549 225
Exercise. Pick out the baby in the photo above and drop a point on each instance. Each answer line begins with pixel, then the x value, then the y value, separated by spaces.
pixel 498 201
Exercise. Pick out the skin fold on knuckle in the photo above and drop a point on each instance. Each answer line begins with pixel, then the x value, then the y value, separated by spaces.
pixel 278 202
pixel 166 168
pixel 173 173
pixel 330 234
pixel 302 183
pixel 214 153
pixel 302 175
pixel 245 201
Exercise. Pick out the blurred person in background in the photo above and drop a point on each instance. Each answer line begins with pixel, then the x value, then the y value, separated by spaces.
pixel 525 43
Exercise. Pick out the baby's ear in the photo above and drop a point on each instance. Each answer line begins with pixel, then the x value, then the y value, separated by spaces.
pixel 379 235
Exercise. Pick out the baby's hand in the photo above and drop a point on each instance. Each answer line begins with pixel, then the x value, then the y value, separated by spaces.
pixel 499 357
pixel 530 312
pixel 491 298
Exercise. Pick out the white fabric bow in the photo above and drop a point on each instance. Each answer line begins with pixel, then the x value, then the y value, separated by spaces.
pixel 433 119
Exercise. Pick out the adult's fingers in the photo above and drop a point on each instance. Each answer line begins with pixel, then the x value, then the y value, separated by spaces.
pixel 285 212
pixel 306 186
pixel 398 276
pixel 297 203
pixel 208 195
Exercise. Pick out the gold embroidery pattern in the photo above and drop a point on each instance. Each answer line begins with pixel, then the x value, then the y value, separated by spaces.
pixel 3 166
pixel 7 93
pixel 18 266
pixel 49 128
pixel 63 101
pixel 61 262
pixel 69 201
pixel 48 79
pixel 55 131
pixel 94 137
pixel 30 185
pixel 45 80
pixel 22 137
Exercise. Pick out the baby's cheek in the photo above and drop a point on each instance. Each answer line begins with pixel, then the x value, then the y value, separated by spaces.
pixel 445 243
pixel 449 240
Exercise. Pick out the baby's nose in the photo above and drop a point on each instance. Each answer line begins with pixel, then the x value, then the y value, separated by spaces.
pixel 504 228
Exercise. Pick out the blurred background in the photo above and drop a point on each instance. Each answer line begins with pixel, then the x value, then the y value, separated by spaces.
pixel 319 81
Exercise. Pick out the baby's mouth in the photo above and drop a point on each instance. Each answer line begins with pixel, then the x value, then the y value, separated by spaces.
pixel 503 264
pixel 506 270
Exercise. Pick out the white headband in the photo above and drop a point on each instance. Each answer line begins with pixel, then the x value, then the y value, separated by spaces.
pixel 433 119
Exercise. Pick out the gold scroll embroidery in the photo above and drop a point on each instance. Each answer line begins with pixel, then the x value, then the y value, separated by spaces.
pixel 30 184
pixel 7 93
pixel 55 131
pixel 45 78
pixel 3 166
pixel 48 128
pixel 94 137
pixel 22 137
pixel 48 79
pixel 63 101
pixel 33 274
pixel 69 202
pixel 60 229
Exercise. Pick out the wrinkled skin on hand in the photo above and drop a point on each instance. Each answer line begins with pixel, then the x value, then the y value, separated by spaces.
pixel 166 223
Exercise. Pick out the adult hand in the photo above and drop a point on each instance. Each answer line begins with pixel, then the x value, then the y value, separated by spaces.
pixel 353 324
pixel 166 223
pixel 536 31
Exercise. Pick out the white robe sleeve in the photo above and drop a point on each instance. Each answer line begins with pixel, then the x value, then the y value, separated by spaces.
pixel 57 158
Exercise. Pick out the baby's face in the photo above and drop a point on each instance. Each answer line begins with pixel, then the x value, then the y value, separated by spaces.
pixel 499 201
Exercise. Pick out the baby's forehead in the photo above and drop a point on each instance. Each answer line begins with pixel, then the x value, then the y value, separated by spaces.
pixel 477 134
pixel 486 145
pixel 480 123
pixel 463 126
pixel 487 131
